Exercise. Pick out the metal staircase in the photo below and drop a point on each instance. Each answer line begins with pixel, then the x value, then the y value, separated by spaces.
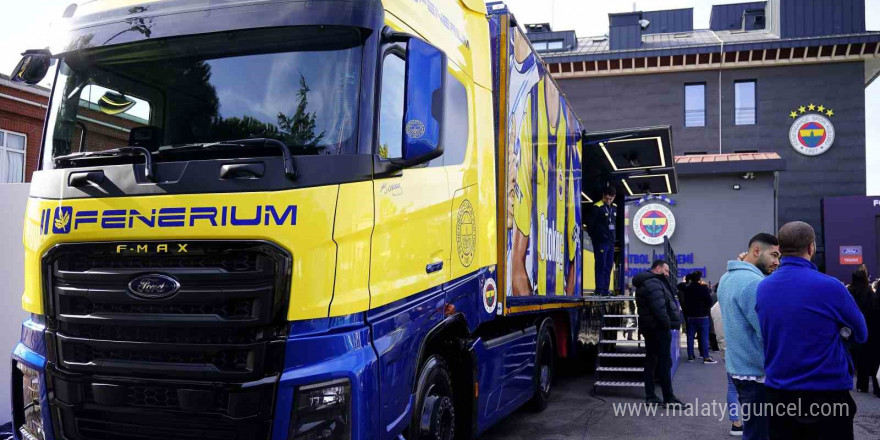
pixel 621 359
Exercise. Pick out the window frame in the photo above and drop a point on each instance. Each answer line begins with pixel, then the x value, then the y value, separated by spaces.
pixel 3 149
pixel 685 102
pixel 754 98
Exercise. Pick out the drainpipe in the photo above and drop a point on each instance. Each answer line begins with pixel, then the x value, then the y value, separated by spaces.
pixel 775 200
pixel 720 68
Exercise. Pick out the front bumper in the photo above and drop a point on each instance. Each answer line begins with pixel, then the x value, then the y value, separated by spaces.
pixel 80 406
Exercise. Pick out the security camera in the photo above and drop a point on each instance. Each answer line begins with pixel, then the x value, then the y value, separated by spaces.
pixel 644 23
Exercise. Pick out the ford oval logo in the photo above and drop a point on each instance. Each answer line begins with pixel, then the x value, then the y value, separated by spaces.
pixel 153 286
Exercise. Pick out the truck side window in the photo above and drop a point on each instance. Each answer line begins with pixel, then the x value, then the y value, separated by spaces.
pixel 391 108
pixel 456 124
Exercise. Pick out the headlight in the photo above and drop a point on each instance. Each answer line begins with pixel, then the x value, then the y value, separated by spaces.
pixel 32 426
pixel 322 411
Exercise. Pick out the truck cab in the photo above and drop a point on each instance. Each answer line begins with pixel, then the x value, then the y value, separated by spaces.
pixel 248 215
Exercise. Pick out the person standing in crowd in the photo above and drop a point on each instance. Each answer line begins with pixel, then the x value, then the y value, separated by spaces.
pixel 736 427
pixel 603 221
pixel 865 355
pixel 658 315
pixel 713 337
pixel 805 316
pixel 679 295
pixel 864 268
pixel 696 305
pixel 744 357
pixel 873 345
pixel 680 288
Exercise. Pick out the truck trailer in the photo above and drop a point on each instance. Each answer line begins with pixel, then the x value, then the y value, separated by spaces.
pixel 271 219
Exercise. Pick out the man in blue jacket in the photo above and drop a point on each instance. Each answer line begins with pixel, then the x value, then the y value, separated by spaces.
pixel 804 317
pixel 744 357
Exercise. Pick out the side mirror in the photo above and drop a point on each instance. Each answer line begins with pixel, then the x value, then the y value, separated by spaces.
pixel 424 104
pixel 33 66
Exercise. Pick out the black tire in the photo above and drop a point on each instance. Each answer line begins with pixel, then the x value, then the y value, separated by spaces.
pixel 434 413
pixel 545 367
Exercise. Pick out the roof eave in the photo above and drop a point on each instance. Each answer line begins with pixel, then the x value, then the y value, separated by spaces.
pixel 561 57
pixel 730 167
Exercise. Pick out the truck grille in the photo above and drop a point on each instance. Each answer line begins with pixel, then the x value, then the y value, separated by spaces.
pixel 205 351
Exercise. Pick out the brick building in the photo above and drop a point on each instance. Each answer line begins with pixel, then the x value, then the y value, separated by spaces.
pixel 22 112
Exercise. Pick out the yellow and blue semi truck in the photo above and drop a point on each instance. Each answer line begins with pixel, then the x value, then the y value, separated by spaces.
pixel 296 220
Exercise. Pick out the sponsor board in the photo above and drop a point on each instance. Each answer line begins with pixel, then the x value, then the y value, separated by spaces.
pixel 64 219
pixel 851 255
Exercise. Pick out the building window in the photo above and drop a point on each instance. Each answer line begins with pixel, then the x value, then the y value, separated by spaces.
pixel 12 153
pixel 391 107
pixel 555 45
pixel 695 105
pixel 746 109
pixel 549 45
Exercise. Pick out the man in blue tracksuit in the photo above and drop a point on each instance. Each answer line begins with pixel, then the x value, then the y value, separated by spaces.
pixel 804 318
pixel 603 221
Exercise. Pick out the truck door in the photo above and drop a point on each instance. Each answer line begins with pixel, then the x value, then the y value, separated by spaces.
pixel 409 258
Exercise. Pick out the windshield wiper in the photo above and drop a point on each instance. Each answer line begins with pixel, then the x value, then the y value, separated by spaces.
pixel 289 167
pixel 115 152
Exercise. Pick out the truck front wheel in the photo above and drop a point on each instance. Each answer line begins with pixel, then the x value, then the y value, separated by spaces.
pixel 434 412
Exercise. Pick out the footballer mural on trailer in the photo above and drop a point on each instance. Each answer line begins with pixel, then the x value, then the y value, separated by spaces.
pixel 543 181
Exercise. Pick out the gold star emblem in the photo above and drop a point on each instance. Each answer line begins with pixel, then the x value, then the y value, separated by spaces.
pixel 811 107
pixel 793 115
pixel 830 112
pixel 821 108
pixel 802 109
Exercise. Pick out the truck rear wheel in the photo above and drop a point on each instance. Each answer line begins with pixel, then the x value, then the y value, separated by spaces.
pixel 545 367
pixel 434 412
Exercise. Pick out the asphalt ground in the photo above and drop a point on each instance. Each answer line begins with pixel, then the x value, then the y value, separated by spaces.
pixel 574 414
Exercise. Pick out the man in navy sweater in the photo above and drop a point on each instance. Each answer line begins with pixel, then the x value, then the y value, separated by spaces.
pixel 804 316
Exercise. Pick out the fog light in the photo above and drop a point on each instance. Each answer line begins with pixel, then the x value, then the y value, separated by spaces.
pixel 322 411
pixel 32 428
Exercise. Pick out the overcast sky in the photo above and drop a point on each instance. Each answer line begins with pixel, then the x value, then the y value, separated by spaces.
pixel 26 27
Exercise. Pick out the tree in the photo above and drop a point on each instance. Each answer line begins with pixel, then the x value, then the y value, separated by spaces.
pixel 298 131
pixel 242 128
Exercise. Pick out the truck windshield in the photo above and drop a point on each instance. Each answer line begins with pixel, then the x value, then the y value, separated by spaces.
pixel 298 85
